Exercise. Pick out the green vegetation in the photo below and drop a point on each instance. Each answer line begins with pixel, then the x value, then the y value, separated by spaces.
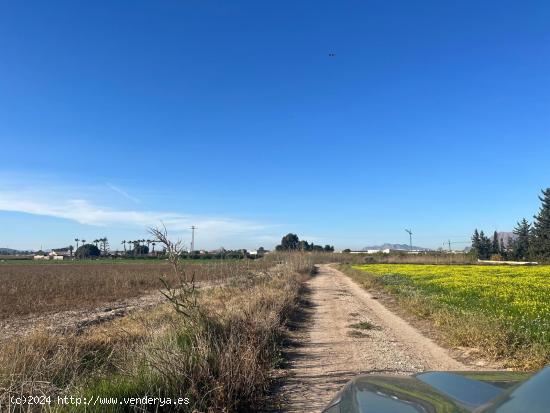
pixel 530 242
pixel 87 251
pixel 363 325
pixel 540 234
pixel 503 311
pixel 291 242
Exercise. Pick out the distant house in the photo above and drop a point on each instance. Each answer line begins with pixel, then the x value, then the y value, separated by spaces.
pixel 60 253
pixel 55 254
pixel 63 252
pixel 259 251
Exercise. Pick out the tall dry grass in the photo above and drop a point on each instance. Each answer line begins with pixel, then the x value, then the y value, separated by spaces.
pixel 221 359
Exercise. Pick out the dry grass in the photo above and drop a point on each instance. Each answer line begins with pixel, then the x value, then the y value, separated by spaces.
pixel 37 288
pixel 221 360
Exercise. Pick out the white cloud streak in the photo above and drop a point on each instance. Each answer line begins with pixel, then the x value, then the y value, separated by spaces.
pixel 123 193
pixel 84 212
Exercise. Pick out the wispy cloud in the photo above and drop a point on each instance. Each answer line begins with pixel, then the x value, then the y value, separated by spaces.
pixel 123 193
pixel 55 204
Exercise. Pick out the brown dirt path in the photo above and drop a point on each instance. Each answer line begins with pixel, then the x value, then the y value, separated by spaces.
pixel 330 351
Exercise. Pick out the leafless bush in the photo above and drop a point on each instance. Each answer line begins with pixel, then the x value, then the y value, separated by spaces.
pixel 184 297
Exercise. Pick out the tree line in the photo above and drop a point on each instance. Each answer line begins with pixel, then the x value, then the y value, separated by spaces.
pixel 531 241
pixel 291 242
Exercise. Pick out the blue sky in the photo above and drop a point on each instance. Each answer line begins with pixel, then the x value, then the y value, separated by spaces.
pixel 115 115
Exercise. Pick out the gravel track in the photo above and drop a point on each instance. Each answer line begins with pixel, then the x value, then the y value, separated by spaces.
pixel 330 350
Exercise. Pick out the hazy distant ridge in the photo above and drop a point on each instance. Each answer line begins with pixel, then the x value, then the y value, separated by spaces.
pixel 395 247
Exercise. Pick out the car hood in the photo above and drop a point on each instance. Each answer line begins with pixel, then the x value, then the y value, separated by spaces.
pixel 446 392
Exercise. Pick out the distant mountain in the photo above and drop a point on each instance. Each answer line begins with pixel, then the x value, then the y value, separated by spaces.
pixel 7 251
pixel 10 251
pixel 395 247
pixel 505 236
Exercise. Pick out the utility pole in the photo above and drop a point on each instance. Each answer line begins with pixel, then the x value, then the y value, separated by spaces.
pixel 449 245
pixel 193 228
pixel 410 238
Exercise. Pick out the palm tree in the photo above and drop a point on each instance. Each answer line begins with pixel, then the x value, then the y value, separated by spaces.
pixel 76 240
pixel 71 248
pixel 153 243
pixel 83 241
pixel 124 243
pixel 95 242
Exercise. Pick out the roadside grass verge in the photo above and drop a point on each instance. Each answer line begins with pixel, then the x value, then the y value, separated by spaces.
pixel 221 361
pixel 503 313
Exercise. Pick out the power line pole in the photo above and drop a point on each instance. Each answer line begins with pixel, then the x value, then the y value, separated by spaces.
pixel 410 238
pixel 449 245
pixel 193 228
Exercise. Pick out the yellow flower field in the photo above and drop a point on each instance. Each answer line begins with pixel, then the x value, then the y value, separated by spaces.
pixel 519 296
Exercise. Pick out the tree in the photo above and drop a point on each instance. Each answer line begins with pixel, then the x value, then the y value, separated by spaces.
pixel 71 249
pixel 104 245
pixel 484 247
pixel 346 250
pixel 87 251
pixel 495 245
pixel 502 248
pixel 520 250
pixel 303 245
pixel 141 249
pixel 481 245
pixel 290 242
pixel 476 243
pixel 329 248
pixel 540 235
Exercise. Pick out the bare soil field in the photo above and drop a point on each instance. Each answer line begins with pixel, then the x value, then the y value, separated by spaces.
pixel 45 288
pixel 347 333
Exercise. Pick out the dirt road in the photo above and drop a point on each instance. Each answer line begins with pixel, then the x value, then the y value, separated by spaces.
pixel 348 332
